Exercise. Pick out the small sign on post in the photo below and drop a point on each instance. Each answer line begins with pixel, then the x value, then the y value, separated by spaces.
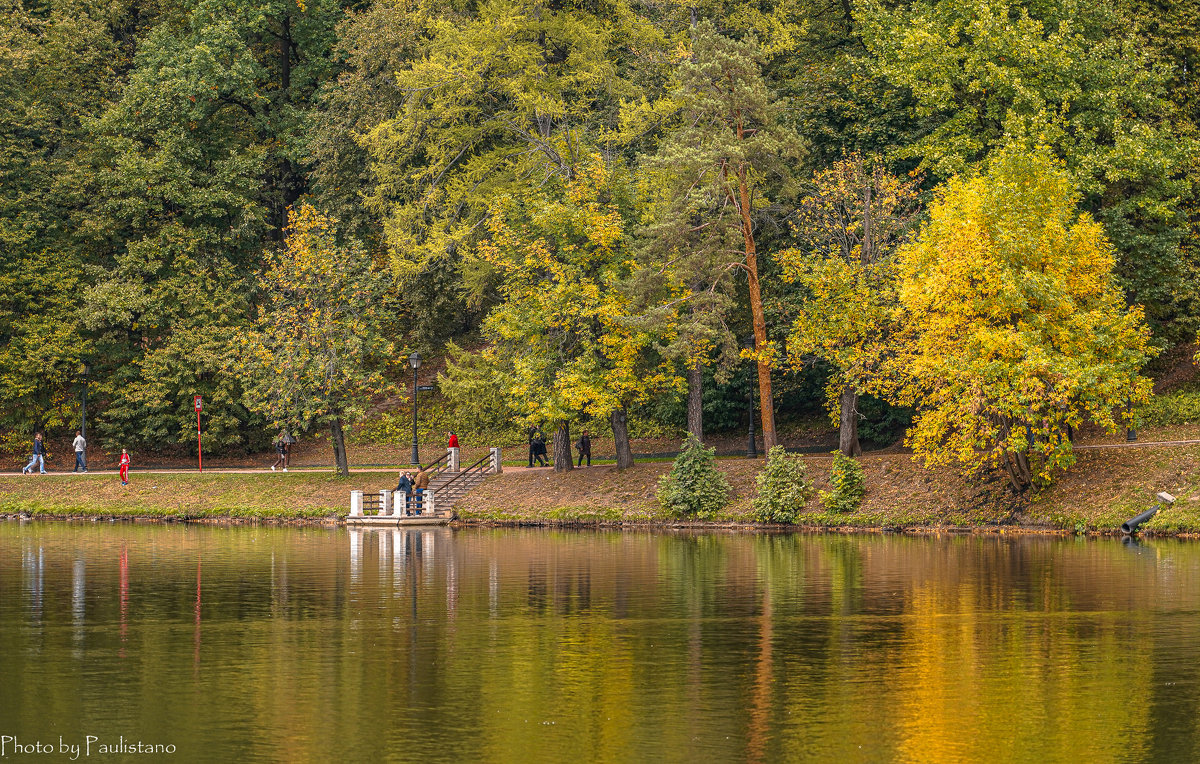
pixel 198 402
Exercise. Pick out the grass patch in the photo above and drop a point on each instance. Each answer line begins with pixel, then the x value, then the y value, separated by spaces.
pixel 253 496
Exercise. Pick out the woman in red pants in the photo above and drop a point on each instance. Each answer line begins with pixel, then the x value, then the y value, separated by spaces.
pixel 124 467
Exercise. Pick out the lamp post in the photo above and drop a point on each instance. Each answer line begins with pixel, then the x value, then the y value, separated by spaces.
pixel 751 446
pixel 87 368
pixel 414 361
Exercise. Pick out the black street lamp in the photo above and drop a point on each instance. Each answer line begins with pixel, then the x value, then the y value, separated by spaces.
pixel 87 368
pixel 751 446
pixel 414 361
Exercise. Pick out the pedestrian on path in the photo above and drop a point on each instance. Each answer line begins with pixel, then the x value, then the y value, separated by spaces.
pixel 80 452
pixel 124 467
pixel 539 448
pixel 39 456
pixel 280 454
pixel 288 442
pixel 584 446
pixel 452 441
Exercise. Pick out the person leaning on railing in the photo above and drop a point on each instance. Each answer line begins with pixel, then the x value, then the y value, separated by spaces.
pixel 421 484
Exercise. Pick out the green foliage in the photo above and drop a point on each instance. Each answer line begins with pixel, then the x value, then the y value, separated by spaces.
pixel 1066 76
pixel 316 355
pixel 783 488
pixel 694 487
pixel 1177 407
pixel 847 485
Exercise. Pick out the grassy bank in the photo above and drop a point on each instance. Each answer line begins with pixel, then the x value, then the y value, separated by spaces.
pixel 294 496
pixel 1105 488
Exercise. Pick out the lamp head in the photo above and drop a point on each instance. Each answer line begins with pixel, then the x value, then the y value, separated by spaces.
pixel 414 360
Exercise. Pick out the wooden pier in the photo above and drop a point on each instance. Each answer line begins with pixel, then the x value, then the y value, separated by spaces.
pixel 434 506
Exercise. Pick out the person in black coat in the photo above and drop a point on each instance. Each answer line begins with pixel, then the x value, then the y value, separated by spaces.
pixel 584 446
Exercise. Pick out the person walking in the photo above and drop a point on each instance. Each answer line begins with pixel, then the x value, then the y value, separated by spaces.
pixel 80 452
pixel 39 456
pixel 288 442
pixel 532 431
pixel 584 446
pixel 124 467
pixel 539 448
pixel 452 440
pixel 280 453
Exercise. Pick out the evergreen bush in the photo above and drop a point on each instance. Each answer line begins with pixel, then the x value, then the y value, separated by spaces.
pixel 783 488
pixel 694 487
pixel 846 478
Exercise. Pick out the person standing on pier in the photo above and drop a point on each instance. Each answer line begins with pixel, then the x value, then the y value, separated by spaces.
pixel 421 485
pixel 124 467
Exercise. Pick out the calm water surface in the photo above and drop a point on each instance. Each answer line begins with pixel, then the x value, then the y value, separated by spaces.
pixel 285 644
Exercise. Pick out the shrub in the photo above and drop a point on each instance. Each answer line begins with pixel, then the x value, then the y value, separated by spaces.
pixel 694 487
pixel 783 488
pixel 1178 407
pixel 846 478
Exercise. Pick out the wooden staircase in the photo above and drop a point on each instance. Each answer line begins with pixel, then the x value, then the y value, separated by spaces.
pixel 435 505
pixel 448 488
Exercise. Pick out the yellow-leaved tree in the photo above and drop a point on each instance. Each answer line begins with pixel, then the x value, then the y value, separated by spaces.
pixel 1016 331
pixel 852 218
pixel 567 339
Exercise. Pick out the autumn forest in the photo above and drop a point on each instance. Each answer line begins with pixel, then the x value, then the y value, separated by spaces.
pixel 969 223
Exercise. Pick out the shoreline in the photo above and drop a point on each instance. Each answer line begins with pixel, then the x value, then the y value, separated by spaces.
pixel 333 522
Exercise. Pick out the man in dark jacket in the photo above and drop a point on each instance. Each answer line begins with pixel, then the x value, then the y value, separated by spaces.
pixel 584 446
pixel 404 489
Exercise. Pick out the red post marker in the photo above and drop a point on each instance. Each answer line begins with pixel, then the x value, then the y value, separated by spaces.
pixel 198 401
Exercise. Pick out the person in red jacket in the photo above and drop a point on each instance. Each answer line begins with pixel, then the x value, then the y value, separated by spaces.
pixel 124 467
pixel 453 440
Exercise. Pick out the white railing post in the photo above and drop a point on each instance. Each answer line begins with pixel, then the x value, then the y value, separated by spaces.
pixel 453 459
pixel 495 460
pixel 385 503
pixel 428 507
pixel 356 503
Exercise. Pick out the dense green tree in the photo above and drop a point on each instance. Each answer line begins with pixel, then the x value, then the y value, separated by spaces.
pixel 730 158
pixel 1069 76
pixel 192 169
pixel 316 356
pixel 567 322
pixel 851 219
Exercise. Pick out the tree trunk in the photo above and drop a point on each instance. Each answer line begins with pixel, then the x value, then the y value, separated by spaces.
pixel 562 447
pixel 339 447
pixel 695 402
pixel 848 434
pixel 620 428
pixel 766 401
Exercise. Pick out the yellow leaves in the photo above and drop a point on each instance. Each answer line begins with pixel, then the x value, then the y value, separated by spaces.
pixel 1017 329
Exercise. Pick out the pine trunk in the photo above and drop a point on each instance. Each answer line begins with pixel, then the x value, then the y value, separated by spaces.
pixel 620 428
pixel 562 447
pixel 766 401
pixel 695 402
pixel 848 435
pixel 339 447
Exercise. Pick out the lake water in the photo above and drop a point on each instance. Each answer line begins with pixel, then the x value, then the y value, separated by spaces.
pixel 312 644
